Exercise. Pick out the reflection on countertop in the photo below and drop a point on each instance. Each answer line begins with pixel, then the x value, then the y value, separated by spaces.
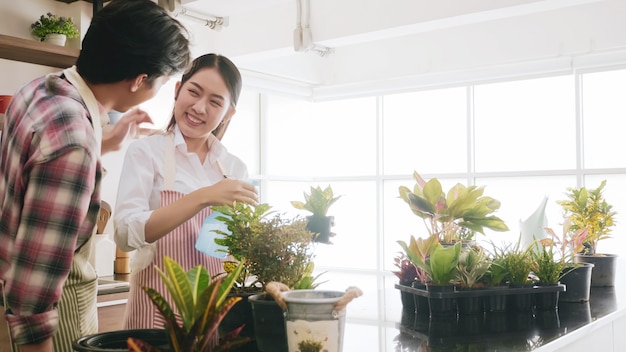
pixel 113 284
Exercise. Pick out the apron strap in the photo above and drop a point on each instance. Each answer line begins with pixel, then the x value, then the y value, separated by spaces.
pixel 169 167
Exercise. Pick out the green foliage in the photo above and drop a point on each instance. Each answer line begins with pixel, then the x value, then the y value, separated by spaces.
pixel 546 265
pixel 318 201
pixel 418 250
pixel 270 247
pixel 472 266
pixel 497 273
pixel 443 263
pixel 587 208
pixel 445 215
pixel 52 24
pixel 201 304
pixel 518 265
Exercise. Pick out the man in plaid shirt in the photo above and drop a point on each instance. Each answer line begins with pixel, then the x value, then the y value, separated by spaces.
pixel 50 167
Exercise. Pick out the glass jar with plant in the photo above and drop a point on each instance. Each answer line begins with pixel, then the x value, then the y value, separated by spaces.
pixel 455 215
pixel 318 201
pixel 53 24
pixel 587 208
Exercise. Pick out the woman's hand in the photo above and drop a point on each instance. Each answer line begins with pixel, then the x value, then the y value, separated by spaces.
pixel 126 127
pixel 228 191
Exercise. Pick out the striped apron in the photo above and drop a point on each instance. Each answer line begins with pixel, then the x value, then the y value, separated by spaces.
pixel 178 245
pixel 78 312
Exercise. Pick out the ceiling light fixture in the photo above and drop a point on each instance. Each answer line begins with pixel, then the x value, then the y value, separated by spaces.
pixel 302 36
pixel 213 22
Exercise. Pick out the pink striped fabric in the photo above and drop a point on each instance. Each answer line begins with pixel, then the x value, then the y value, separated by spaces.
pixel 178 245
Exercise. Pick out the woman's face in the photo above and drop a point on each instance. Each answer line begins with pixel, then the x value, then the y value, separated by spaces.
pixel 203 102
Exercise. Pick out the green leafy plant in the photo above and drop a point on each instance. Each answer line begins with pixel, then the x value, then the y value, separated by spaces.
pixel 417 251
pixel 497 273
pixel 473 264
pixel 271 247
pixel 546 265
pixel 52 24
pixel 443 263
pixel 201 304
pixel 318 201
pixel 518 265
pixel 454 214
pixel 587 208
pixel 570 242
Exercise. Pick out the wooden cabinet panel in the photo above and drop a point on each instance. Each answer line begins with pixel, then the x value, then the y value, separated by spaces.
pixel 111 311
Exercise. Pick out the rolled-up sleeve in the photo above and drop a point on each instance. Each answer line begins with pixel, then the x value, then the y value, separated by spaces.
pixel 134 197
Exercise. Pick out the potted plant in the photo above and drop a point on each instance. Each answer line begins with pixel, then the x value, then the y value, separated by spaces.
pixel 473 265
pixel 587 208
pixel 272 248
pixel 548 268
pixel 455 215
pixel 407 274
pixel 198 304
pixel 318 201
pixel 417 251
pixel 575 276
pixel 518 266
pixel 441 266
pixel 54 29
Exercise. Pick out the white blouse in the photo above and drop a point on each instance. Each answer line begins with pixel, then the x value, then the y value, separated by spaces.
pixel 142 180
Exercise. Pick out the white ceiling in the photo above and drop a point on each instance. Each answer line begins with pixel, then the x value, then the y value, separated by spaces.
pixel 383 40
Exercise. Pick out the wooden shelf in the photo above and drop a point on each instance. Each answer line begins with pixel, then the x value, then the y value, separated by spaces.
pixel 35 52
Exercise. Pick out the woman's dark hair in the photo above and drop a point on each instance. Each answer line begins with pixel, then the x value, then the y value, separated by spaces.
pixel 229 72
pixel 127 38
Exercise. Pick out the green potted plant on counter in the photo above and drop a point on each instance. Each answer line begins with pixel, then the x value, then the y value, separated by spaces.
pixel 587 208
pixel 317 202
pixel 198 305
pixel 272 248
pixel 455 215
pixel 54 29
pixel 473 265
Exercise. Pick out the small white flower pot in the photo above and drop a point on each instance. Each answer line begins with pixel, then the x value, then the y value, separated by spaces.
pixel 55 39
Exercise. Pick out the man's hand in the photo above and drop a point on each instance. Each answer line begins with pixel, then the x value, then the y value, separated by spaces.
pixel 127 127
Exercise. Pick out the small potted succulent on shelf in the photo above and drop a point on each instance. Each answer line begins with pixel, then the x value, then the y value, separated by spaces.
pixel 473 265
pixel 318 201
pixel 587 208
pixel 54 29
pixel 453 216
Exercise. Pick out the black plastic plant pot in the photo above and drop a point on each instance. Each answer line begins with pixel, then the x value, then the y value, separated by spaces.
pixel 496 302
pixel 547 301
pixel 577 283
pixel 240 314
pixel 407 298
pixel 321 227
pixel 269 324
pixel 117 340
pixel 421 302
pixel 471 305
pixel 441 307
pixel 604 268
pixel 521 302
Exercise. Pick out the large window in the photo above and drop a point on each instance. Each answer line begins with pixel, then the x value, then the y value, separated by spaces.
pixel 523 140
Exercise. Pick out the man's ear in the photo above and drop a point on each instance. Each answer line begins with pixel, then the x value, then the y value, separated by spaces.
pixel 136 82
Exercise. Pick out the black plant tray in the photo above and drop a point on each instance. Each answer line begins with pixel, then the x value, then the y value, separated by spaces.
pixel 485 292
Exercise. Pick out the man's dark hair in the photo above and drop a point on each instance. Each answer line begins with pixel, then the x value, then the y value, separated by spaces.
pixel 127 38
